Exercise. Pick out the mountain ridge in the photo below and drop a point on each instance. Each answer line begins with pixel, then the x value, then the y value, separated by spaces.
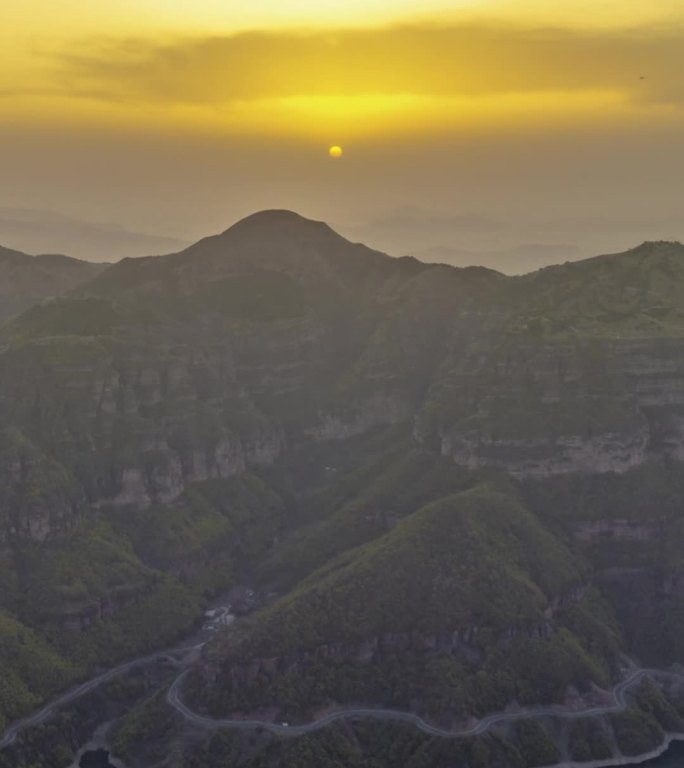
pixel 26 279
pixel 280 407
pixel 282 240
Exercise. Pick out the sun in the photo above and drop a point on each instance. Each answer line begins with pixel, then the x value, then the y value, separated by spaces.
pixel 335 151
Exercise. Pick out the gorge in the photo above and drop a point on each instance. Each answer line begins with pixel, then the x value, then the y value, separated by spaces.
pixel 453 493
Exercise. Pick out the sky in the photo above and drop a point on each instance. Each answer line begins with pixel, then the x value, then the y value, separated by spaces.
pixel 467 125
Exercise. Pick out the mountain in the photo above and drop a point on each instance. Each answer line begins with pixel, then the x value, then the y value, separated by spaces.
pixel 37 231
pixel 25 280
pixel 431 596
pixel 452 490
pixel 265 244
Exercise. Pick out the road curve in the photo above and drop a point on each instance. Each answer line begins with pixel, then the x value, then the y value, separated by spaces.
pixel 174 699
pixel 43 714
pixel 619 695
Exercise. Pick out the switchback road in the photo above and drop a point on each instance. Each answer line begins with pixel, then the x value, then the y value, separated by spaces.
pixel 75 693
pixel 174 699
pixel 619 695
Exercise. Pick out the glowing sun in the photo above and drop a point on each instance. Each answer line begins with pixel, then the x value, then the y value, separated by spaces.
pixel 335 151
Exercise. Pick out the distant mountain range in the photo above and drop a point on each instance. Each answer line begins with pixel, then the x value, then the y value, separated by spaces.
pixel 516 260
pixel 36 231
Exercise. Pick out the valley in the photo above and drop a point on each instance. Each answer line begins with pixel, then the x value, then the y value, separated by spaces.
pixel 453 493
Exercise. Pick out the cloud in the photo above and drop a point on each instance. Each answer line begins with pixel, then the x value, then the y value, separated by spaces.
pixel 647 64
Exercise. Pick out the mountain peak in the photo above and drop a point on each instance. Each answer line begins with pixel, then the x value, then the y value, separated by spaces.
pixel 280 222
pixel 281 241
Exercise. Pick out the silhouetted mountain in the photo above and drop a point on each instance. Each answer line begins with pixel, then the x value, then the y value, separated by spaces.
pixel 25 280
pixel 279 242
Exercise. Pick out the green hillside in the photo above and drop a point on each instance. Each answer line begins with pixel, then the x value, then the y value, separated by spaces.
pixel 452 490
pixel 441 612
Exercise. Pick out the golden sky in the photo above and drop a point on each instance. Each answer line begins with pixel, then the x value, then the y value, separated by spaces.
pixel 412 87
pixel 354 68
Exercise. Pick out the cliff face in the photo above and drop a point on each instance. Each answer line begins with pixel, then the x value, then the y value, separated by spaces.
pixel 165 429
pixel 166 371
pixel 544 408
pixel 171 370
pixel 136 419
pixel 575 369
pixel 37 495
pixel 469 643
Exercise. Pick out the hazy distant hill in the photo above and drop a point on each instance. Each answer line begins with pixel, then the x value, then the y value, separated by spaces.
pixel 512 261
pixel 26 279
pixel 45 231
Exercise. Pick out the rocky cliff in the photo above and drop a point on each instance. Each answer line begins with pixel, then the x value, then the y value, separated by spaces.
pixel 276 403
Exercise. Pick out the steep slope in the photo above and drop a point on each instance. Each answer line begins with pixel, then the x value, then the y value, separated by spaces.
pixel 26 280
pixel 217 358
pixel 636 293
pixel 267 242
pixel 116 399
pixel 580 372
pixel 276 403
pixel 459 589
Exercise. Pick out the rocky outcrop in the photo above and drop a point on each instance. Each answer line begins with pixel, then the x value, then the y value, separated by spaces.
pixel 379 410
pixel 546 409
pixel 619 530
pixel 37 495
pixel 543 458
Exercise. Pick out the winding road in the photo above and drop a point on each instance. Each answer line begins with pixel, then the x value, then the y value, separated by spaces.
pixel 619 694
pixel 49 709
pixel 174 700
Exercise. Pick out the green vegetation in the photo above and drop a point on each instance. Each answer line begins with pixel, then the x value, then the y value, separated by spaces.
pixel 29 669
pixel 264 296
pixel 53 744
pixel 589 740
pixel 167 612
pixel 358 745
pixel 282 408
pixel 636 732
pixel 446 611
pixel 360 506
pixel 535 744
pixel 637 293
pixel 123 585
pixel 26 280
pixel 149 727
pixel 651 700
pixel 68 317
pixel 477 558
pixel 444 687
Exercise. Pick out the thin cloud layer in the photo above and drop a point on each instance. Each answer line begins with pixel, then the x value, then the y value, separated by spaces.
pixel 646 65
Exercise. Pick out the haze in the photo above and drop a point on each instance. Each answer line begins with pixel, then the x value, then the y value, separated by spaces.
pixel 502 132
